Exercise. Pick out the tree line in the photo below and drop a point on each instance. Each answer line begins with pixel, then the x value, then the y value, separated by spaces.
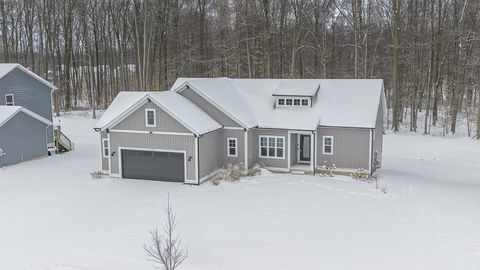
pixel 427 51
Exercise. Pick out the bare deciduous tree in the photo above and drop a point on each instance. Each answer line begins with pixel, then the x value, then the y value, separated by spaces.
pixel 165 249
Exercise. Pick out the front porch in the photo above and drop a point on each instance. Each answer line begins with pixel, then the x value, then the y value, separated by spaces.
pixel 301 158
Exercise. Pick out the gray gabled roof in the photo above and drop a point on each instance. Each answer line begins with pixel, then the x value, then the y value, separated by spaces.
pixel 7 112
pixel 181 109
pixel 6 68
pixel 339 102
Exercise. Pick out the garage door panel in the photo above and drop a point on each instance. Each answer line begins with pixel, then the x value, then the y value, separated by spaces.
pixel 150 165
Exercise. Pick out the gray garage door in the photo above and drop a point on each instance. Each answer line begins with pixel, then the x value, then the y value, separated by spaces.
pixel 149 165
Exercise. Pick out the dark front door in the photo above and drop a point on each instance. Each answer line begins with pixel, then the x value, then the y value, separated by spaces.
pixel 305 148
pixel 150 165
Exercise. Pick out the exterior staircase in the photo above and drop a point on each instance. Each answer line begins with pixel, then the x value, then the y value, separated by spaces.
pixel 62 142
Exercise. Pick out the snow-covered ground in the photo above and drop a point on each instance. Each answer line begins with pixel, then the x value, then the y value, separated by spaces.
pixel 55 216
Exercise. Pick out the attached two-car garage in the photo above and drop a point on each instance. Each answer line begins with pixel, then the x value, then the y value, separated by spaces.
pixel 153 165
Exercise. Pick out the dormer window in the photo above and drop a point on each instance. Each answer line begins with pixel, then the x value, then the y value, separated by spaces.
pixel 293 102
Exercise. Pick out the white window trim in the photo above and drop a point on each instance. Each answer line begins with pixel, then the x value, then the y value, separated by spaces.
pixel 105 148
pixel 323 145
pixel 154 117
pixel 228 147
pixel 13 100
pixel 268 147
pixel 309 100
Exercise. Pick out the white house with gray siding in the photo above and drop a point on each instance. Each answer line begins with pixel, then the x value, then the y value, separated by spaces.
pixel 202 124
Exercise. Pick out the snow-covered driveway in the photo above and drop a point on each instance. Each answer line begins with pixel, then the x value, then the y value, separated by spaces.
pixel 53 215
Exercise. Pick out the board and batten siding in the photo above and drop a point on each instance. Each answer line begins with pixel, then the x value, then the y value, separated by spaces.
pixel 137 121
pixel 103 135
pixel 351 147
pixel 208 145
pixel 252 159
pixel 209 108
pixel 28 93
pixel 125 135
pixel 378 138
pixel 223 155
pixel 293 147
pixel 22 138
pixel 271 162
pixel 150 142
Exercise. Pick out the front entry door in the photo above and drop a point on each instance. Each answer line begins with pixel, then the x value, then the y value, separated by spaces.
pixel 304 155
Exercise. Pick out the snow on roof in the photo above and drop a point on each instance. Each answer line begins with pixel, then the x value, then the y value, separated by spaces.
pixel 185 112
pixel 7 112
pixel 180 108
pixel 339 103
pixel 119 106
pixel 222 93
pixel 306 87
pixel 6 68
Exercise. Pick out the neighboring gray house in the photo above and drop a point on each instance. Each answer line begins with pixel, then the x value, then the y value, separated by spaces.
pixel 202 124
pixel 21 87
pixel 23 135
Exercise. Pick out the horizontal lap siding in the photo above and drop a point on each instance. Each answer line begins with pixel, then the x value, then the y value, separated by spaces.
pixel 103 135
pixel 29 93
pixel 165 122
pixel 22 138
pixel 208 152
pixel 351 147
pixel 209 108
pixel 150 142
pixel 271 162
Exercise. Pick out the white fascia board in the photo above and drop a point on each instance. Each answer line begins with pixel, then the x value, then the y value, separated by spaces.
pixel 29 113
pixel 125 114
pixel 207 98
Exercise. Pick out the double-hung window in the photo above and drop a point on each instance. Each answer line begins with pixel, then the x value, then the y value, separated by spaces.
pixel 105 148
pixel 150 118
pixel 272 146
pixel 328 145
pixel 232 147
pixel 9 100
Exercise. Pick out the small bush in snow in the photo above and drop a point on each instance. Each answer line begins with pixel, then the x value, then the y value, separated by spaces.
pixel 96 174
pixel 361 174
pixel 256 169
pixel 326 170
pixel 231 173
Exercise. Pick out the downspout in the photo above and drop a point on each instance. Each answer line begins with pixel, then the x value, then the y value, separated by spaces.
pixel 371 151
pixel 246 149
pixel 314 157
pixel 197 138
pixel 46 137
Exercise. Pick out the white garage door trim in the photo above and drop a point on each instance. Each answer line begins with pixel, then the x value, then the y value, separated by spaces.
pixel 153 150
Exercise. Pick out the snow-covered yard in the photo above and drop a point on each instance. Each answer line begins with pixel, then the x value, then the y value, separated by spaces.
pixel 55 216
